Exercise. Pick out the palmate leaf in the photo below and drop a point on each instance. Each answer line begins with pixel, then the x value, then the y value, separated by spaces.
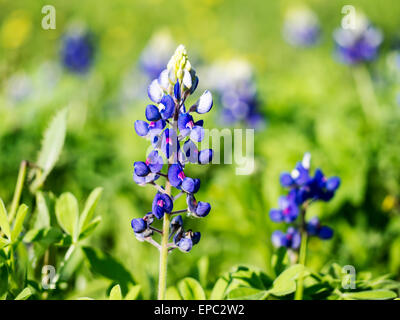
pixel 191 289
pixel 115 293
pixel 4 225
pixel 133 292
pixel 67 213
pixel 24 294
pixel 19 221
pixel 244 293
pixel 172 293
pixel 285 283
pixel 88 230
pixel 52 144
pixel 219 289
pixel 88 210
pixel 370 295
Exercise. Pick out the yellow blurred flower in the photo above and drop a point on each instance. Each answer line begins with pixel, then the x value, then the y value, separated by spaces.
pixel 15 29
pixel 388 203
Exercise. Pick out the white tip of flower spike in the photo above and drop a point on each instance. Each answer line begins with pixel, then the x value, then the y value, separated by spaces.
pixel 205 102
pixel 155 92
pixel 306 162
pixel 179 63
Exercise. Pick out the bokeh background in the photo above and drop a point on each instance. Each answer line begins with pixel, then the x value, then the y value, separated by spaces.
pixel 306 99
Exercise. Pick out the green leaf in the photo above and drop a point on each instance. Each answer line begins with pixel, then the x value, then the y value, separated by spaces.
pixel 3 279
pixel 42 218
pixel 280 260
pixel 90 206
pixel 285 283
pixel 88 230
pixel 24 294
pixel 107 266
pixel 46 236
pixel 115 293
pixel 67 213
pixel 19 222
pixel 3 242
pixel 133 292
pixel 218 291
pixel 4 225
pixel 202 266
pixel 244 293
pixel 52 144
pixel 190 289
pixel 172 293
pixel 370 295
pixel 247 277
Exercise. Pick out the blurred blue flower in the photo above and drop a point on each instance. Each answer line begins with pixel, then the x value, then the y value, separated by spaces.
pixel 314 228
pixel 77 52
pixel 358 44
pixel 301 27
pixel 156 54
pixel 291 239
pixel 303 190
pixel 234 82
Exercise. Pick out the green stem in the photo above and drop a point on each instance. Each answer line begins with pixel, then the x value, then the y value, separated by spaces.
pixel 162 281
pixel 302 261
pixel 366 92
pixel 18 190
pixel 162 277
pixel 302 254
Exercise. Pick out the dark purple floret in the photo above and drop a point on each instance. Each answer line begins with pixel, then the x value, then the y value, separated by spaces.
pixel 77 52
pixel 138 225
pixel 162 204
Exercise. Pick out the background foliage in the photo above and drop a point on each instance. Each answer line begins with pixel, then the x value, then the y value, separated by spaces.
pixel 308 98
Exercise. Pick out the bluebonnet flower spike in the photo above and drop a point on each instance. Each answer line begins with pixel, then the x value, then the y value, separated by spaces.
pixel 173 133
pixel 303 190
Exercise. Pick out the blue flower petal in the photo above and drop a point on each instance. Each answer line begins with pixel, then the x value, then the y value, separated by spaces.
pixel 205 156
pixel 191 151
pixel 325 233
pixel 141 128
pixel 286 180
pixel 188 185
pixel 177 91
pixel 141 169
pixel 276 215
pixel 154 161
pixel 333 183
pixel 197 134
pixel 278 239
pixel 185 244
pixel 138 225
pixel 167 107
pixel 203 209
pixel 152 113
pixel 176 175
pixel 196 237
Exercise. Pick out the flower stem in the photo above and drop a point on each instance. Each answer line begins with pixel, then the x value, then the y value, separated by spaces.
pixel 366 92
pixel 162 280
pixel 18 190
pixel 302 261
pixel 302 255
pixel 162 277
